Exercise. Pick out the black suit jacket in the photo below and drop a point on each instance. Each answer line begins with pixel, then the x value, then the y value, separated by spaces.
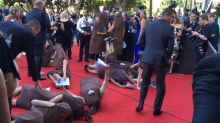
pixel 158 40
pixel 126 25
pixel 44 22
pixel 22 40
pixel 53 19
pixel 206 90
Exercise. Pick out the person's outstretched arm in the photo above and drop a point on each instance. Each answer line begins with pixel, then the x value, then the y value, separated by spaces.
pixel 105 83
pixel 65 63
pixel 57 98
pixel 42 103
pixel 4 112
pixel 117 84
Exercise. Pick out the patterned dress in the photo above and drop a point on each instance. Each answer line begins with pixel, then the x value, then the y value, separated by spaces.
pixel 176 43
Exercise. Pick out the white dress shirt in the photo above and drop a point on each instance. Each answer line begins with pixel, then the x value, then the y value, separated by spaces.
pixel 82 23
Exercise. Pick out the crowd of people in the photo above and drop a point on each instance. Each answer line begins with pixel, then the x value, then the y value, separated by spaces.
pixel 48 40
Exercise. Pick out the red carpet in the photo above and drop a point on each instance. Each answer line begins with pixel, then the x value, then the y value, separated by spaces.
pixel 118 105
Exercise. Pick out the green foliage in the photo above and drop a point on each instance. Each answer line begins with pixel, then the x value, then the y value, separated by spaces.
pixel 218 10
pixel 165 3
pixel 93 5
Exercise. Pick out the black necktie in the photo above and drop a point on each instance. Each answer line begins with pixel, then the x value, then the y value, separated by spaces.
pixel 86 20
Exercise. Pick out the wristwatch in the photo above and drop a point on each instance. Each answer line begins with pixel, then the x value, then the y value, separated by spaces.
pixel 198 35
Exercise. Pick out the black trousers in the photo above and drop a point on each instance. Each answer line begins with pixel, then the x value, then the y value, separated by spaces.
pixel 67 44
pixel 39 52
pixel 94 56
pixel 160 81
pixel 84 42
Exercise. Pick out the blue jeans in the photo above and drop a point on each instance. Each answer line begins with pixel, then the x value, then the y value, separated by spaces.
pixel 76 33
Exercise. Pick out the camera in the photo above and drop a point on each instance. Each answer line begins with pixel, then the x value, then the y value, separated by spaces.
pixel 116 8
pixel 173 4
pixel 58 21
pixel 193 37
pixel 142 7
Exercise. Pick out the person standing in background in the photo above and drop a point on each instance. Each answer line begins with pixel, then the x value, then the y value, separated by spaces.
pixel 84 35
pixel 22 17
pixel 75 19
pixel 214 39
pixel 51 19
pixel 124 55
pixel 40 16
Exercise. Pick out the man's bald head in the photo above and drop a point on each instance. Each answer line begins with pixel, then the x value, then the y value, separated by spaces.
pixel 39 4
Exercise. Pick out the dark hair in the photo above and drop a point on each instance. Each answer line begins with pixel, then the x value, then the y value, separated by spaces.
pixel 78 13
pixel 144 14
pixel 169 11
pixel 34 23
pixel 125 14
pixel 193 12
pixel 1 10
pixel 211 15
pixel 87 10
pixel 204 17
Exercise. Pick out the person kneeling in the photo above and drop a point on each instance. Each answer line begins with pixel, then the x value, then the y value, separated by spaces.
pixel 61 66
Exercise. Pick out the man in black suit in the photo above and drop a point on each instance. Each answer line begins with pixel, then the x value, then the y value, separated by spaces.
pixel 158 40
pixel 23 39
pixel 125 39
pixel 50 18
pixel 206 94
pixel 40 16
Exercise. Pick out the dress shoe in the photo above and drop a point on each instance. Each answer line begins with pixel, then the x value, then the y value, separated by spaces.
pixel 42 78
pixel 113 40
pixel 108 39
pixel 139 108
pixel 85 67
pixel 157 113
pixel 79 60
pixel 86 60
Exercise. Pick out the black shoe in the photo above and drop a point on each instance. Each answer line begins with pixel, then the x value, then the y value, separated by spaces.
pixel 108 39
pixel 42 78
pixel 79 60
pixel 85 67
pixel 113 40
pixel 70 58
pixel 157 113
pixel 139 108
pixel 86 60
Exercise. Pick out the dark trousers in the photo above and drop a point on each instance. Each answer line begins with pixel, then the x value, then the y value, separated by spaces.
pixel 94 56
pixel 84 42
pixel 67 44
pixel 160 81
pixel 39 52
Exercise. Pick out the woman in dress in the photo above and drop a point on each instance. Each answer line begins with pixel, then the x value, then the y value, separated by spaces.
pixel 141 27
pixel 118 32
pixel 67 34
pixel 119 73
pixel 27 93
pixel 45 112
pixel 14 15
pixel 61 65
pixel 177 33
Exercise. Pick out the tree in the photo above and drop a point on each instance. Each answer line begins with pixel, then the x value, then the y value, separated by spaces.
pixel 124 5
pixel 218 10
pixel 165 3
